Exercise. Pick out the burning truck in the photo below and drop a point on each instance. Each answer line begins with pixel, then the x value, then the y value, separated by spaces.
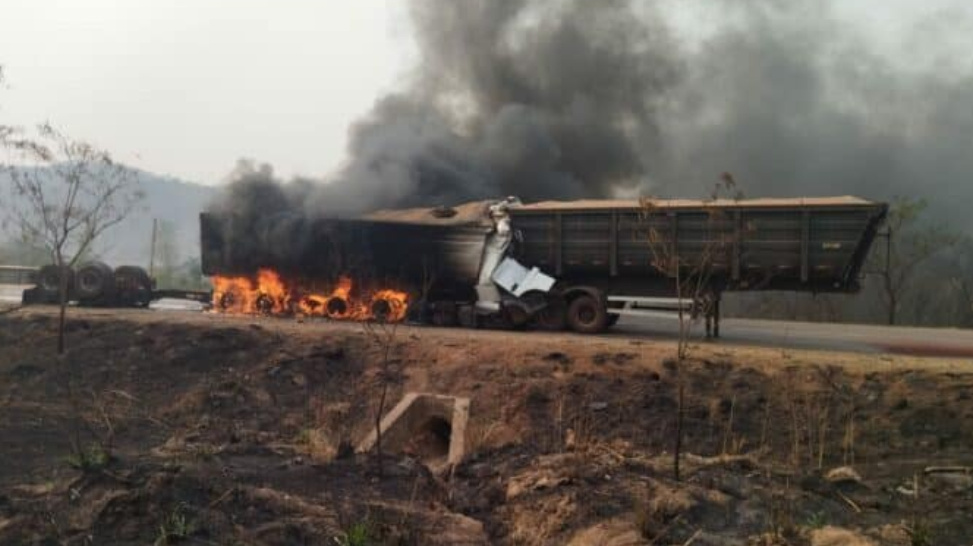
pixel 551 265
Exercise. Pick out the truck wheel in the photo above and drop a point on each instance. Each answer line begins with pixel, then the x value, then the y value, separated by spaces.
pixel 49 282
pixel 553 318
pixel 94 283
pixel 134 285
pixel 587 315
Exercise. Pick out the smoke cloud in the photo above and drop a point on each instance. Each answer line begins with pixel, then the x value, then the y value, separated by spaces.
pixel 569 99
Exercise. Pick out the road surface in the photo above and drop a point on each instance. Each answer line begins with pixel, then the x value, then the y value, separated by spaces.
pixel 10 293
pixel 946 342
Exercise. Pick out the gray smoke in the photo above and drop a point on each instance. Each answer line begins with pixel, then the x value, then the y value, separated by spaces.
pixel 567 99
pixel 794 102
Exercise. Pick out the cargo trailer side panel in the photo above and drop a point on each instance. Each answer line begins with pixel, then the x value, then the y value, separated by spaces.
pixel 395 254
pixel 802 247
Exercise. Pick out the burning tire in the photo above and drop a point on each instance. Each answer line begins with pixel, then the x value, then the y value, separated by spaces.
pixel 133 286
pixel 381 310
pixel 49 282
pixel 388 306
pixel 587 315
pixel 336 308
pixel 388 309
pixel 264 304
pixel 95 283
pixel 227 301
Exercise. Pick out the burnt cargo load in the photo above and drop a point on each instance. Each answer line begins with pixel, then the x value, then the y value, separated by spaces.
pixel 579 264
pixel 439 248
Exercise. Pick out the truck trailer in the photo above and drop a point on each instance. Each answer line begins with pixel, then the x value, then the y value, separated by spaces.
pixel 96 284
pixel 557 264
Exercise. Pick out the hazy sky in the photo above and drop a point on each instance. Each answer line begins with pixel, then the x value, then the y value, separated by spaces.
pixel 187 87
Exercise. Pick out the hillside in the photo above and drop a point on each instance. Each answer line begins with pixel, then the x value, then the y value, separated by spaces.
pixel 167 199
pixel 214 429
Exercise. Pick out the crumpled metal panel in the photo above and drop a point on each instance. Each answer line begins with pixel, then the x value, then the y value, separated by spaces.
pixel 518 280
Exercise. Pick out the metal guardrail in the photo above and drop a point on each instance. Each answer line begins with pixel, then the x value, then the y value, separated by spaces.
pixel 17 274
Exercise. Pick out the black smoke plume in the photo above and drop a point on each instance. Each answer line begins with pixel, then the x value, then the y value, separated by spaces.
pixel 567 99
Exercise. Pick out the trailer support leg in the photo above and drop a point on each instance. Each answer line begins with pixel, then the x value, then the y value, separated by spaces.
pixel 716 317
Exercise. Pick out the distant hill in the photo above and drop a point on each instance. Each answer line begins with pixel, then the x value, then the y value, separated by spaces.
pixel 167 199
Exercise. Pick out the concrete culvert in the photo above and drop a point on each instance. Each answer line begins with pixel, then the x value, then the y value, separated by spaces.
pixel 428 427
pixel 430 443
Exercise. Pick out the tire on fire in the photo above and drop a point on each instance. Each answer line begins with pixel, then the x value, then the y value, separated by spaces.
pixel 265 304
pixel 336 307
pixel 381 309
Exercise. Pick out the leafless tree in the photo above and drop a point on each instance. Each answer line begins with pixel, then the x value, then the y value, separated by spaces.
pixel 909 244
pixel 693 274
pixel 66 193
pixel 381 334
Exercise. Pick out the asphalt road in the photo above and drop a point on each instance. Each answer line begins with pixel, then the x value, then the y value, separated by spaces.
pixel 10 293
pixel 946 342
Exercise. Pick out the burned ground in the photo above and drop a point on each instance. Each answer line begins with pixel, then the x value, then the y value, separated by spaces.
pixel 223 430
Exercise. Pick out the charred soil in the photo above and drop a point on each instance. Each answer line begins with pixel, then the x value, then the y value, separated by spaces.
pixel 166 428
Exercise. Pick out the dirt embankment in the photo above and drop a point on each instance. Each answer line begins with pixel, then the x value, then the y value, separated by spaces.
pixel 216 430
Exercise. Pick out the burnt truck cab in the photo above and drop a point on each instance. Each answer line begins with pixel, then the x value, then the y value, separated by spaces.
pixel 577 264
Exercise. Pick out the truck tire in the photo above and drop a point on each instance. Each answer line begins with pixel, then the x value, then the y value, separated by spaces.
pixel 587 315
pixel 94 283
pixel 553 318
pixel 49 282
pixel 133 286
pixel 514 317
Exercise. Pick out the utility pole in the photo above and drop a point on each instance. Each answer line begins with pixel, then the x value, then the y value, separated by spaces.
pixel 155 228
pixel 888 250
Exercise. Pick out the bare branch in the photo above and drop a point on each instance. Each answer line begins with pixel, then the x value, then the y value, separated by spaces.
pixel 66 192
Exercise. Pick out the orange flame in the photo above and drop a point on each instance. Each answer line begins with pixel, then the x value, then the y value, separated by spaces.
pixel 271 295
pixel 389 305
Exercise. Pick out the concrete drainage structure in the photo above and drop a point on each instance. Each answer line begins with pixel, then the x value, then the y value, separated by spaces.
pixel 429 427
